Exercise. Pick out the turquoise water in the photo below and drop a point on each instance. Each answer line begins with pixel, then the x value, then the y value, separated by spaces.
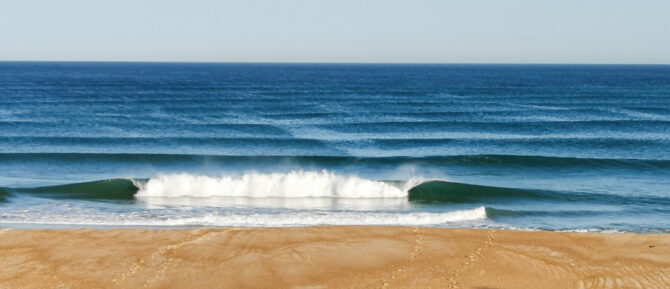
pixel 531 147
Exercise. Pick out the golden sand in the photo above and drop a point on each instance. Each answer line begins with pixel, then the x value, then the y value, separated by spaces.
pixel 331 257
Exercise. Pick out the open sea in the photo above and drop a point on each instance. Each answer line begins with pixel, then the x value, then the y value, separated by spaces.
pixel 528 147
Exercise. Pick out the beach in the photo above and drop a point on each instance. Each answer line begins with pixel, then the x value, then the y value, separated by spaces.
pixel 330 257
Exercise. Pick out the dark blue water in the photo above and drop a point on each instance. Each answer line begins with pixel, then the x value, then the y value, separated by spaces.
pixel 550 147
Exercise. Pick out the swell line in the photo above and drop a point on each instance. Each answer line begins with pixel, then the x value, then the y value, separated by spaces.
pixel 111 189
pixel 312 184
pixel 529 161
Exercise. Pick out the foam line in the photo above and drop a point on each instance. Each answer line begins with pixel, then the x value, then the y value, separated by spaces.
pixel 305 218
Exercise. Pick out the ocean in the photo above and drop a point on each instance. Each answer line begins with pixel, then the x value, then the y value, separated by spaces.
pixel 582 148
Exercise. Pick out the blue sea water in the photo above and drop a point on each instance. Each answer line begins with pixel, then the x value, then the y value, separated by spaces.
pixel 529 147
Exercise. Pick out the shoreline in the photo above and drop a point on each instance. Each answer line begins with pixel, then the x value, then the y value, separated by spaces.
pixel 79 227
pixel 330 257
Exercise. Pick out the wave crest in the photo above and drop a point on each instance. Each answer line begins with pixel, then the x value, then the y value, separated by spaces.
pixel 298 185
pixel 295 184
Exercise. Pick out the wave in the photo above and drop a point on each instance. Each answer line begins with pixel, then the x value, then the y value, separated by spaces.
pixel 524 161
pixel 437 191
pixel 3 195
pixel 291 185
pixel 174 140
pixel 309 184
pixel 452 192
pixel 112 189
pixel 295 184
pixel 509 126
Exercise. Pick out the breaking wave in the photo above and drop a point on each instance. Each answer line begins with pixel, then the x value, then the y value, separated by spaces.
pixel 300 184
pixel 296 184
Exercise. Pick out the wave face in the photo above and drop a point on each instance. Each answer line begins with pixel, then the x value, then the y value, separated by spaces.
pixel 451 192
pixel 290 185
pixel 113 189
pixel 324 184
pixel 3 195
pixel 296 184
pixel 253 187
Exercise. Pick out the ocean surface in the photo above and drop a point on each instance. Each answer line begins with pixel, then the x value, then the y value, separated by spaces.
pixel 527 147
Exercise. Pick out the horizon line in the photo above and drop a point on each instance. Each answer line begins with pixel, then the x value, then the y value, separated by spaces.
pixel 334 63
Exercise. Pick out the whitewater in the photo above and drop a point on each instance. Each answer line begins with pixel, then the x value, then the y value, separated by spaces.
pixel 294 184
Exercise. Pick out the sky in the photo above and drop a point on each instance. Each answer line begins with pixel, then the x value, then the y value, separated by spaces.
pixel 386 31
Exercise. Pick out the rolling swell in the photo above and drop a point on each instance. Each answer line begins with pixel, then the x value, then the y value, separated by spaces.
pixel 3 195
pixel 452 192
pixel 521 161
pixel 316 184
pixel 294 184
pixel 438 191
pixel 112 189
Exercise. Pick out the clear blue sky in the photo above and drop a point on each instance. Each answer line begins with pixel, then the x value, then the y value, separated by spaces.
pixel 466 31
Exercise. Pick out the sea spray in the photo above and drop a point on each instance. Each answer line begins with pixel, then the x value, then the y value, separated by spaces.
pixel 294 184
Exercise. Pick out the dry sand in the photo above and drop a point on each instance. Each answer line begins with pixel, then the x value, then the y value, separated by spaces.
pixel 331 257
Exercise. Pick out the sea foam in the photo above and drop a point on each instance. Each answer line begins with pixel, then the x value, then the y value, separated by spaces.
pixel 333 218
pixel 294 218
pixel 295 184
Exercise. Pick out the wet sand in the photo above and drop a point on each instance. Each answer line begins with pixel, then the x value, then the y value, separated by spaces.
pixel 330 257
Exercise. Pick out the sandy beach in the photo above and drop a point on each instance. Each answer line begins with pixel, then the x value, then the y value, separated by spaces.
pixel 330 257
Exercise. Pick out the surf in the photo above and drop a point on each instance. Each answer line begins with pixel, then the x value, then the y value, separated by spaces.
pixel 294 184
pixel 288 185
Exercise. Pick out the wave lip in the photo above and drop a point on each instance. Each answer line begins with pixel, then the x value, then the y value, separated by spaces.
pixel 295 184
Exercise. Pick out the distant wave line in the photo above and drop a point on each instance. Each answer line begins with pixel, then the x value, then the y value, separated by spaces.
pixel 446 160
